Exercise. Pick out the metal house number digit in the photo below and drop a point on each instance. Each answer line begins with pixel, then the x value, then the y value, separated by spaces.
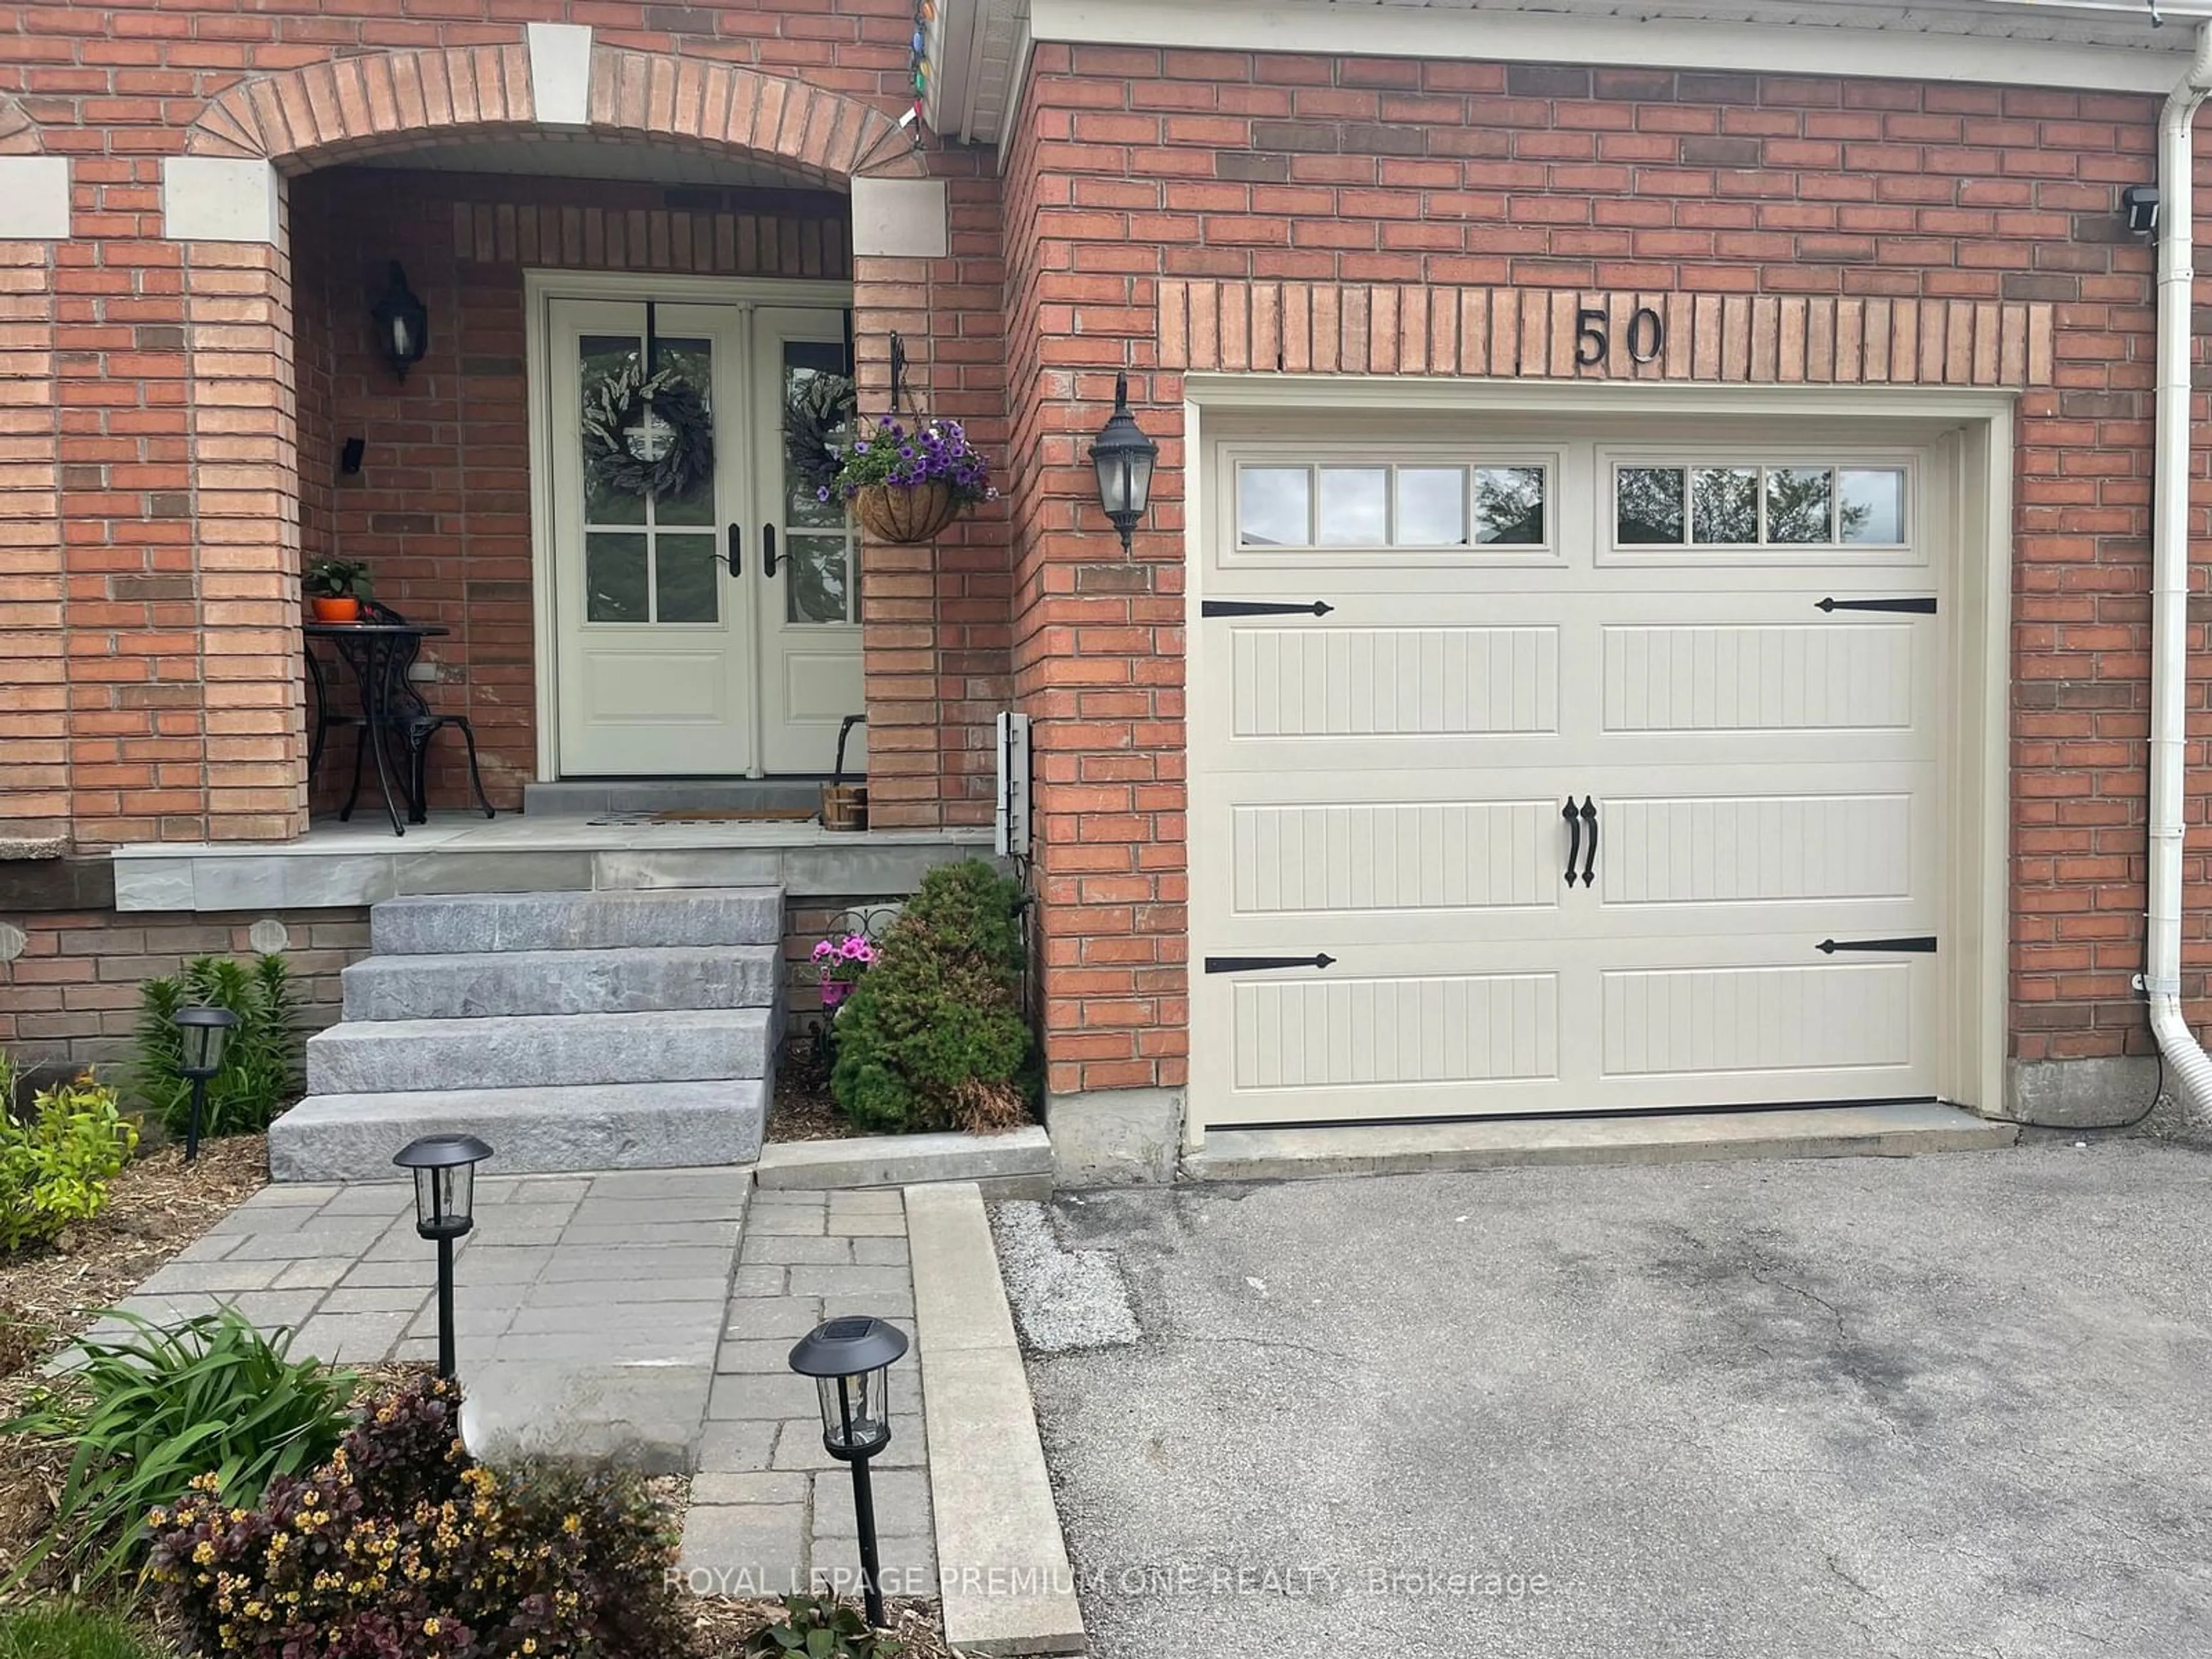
pixel 1647 334
pixel 1591 341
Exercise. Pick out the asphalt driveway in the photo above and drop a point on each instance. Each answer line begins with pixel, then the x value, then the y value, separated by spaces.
pixel 1946 1406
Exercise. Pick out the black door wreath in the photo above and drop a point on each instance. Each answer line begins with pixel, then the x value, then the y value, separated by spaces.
pixel 647 436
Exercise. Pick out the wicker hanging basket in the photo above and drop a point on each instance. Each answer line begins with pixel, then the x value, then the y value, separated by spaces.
pixel 906 512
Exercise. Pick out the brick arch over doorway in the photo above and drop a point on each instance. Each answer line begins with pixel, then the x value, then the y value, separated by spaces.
pixel 935 621
pixel 350 107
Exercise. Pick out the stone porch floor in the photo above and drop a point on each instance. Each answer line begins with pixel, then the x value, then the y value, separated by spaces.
pixel 361 862
pixel 640 1314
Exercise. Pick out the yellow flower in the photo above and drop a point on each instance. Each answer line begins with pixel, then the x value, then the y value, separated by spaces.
pixel 429 1627
pixel 203 1554
pixel 572 1525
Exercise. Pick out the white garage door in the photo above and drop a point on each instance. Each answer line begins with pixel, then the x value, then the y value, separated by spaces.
pixel 1584 775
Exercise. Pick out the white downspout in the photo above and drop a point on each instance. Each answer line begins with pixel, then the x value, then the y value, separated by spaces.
pixel 2169 586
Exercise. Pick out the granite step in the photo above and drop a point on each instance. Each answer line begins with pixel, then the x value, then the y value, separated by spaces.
pixel 531 1131
pixel 524 1051
pixel 462 924
pixel 636 979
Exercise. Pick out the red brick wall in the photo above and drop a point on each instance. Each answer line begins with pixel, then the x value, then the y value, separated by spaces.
pixel 71 997
pixel 1384 177
pixel 179 494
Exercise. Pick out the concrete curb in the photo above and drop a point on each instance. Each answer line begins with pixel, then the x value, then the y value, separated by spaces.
pixel 1897 1131
pixel 1016 1164
pixel 1004 1572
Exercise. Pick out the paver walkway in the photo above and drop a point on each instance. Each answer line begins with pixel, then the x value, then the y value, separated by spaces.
pixel 770 1509
pixel 616 1314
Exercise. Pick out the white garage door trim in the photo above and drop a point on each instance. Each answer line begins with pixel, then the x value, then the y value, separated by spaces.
pixel 1966 442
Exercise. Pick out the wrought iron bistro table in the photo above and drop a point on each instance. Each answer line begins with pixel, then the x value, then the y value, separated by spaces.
pixel 377 655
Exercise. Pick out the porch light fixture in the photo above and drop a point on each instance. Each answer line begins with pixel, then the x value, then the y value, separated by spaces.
pixel 850 1360
pixel 204 1033
pixel 445 1168
pixel 1123 456
pixel 403 324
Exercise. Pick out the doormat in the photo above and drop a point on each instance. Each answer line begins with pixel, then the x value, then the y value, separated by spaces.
pixel 736 815
pixel 709 815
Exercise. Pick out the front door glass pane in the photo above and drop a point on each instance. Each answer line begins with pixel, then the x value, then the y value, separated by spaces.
pixel 819 550
pixel 686 578
pixel 817 567
pixel 615 577
pixel 663 570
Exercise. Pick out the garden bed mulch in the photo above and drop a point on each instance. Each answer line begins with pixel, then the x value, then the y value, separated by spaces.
pixel 802 1109
pixel 725 1624
pixel 157 1207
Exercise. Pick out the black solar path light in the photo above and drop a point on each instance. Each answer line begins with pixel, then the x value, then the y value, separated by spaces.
pixel 850 1360
pixel 205 1032
pixel 445 1168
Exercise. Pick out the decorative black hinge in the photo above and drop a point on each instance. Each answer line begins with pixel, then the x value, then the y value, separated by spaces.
pixel 1259 965
pixel 1923 946
pixel 1922 607
pixel 1261 608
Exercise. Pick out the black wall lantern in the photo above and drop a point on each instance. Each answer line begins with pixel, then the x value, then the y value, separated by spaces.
pixel 1123 456
pixel 403 325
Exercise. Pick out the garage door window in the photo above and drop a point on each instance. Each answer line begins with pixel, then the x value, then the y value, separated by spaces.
pixel 1391 507
pixel 1750 506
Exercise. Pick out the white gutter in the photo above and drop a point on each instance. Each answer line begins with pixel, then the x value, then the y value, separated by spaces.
pixel 2169 582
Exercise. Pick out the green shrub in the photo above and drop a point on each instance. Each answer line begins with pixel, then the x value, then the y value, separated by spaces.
pixel 934 1037
pixel 56 1164
pixel 402 1547
pixel 58 1630
pixel 149 1412
pixel 261 1062
pixel 822 1627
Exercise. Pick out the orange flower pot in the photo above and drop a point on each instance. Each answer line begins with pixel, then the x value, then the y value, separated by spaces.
pixel 346 608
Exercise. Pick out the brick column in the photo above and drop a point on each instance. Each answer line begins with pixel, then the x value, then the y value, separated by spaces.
pixel 936 619
pixel 33 678
pixel 245 485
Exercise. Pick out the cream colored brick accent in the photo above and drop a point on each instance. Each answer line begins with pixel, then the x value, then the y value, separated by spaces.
pixel 1319 328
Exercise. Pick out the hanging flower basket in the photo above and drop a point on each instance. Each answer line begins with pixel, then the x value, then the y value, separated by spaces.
pixel 906 486
pixel 906 512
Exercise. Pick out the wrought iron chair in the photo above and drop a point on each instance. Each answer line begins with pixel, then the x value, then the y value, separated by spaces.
pixel 415 722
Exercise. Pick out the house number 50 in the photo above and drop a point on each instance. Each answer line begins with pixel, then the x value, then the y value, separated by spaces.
pixel 1647 335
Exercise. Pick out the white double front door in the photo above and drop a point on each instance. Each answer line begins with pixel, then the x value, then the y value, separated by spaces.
pixel 714 632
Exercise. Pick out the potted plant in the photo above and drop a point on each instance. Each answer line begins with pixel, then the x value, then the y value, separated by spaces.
pixel 906 486
pixel 841 959
pixel 332 587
